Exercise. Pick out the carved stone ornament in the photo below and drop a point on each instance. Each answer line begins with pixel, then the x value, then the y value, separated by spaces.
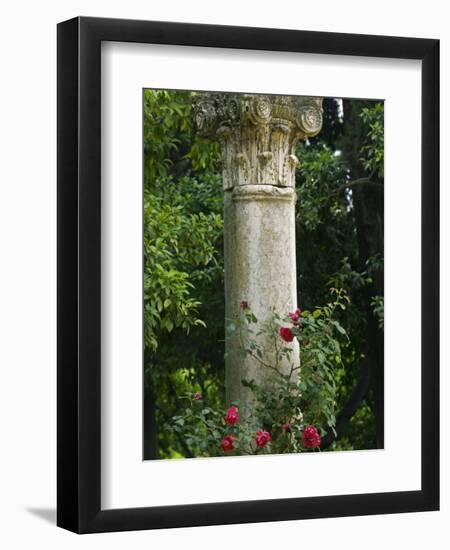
pixel 258 134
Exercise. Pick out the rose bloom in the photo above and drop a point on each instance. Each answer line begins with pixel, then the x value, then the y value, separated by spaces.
pixel 262 438
pixel 197 396
pixel 311 437
pixel 232 416
pixel 244 304
pixel 286 334
pixel 227 443
pixel 295 316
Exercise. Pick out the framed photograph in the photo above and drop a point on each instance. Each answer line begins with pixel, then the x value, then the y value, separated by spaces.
pixel 248 256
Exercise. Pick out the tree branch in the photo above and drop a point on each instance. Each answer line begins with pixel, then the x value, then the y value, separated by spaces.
pixel 360 181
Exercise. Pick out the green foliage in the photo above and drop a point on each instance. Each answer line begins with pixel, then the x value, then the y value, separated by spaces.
pixel 321 338
pixel 178 250
pixel 328 249
pixel 358 432
pixel 166 126
pixel 377 303
pixel 324 225
pixel 183 262
pixel 372 150
pixel 321 171
pixel 168 137
pixel 180 227
pixel 200 426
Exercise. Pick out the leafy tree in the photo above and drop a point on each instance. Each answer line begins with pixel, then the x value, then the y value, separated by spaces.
pixel 339 242
pixel 183 263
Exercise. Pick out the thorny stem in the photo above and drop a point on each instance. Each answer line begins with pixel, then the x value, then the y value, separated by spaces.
pixel 253 355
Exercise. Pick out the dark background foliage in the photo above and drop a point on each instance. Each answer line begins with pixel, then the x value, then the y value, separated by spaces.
pixel 339 225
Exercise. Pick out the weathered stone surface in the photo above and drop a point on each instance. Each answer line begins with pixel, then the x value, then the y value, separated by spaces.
pixel 258 135
pixel 260 269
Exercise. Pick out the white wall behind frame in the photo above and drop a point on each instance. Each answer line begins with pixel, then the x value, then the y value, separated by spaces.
pixel 28 245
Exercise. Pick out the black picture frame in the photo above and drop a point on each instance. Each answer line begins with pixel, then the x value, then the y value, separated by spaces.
pixel 79 281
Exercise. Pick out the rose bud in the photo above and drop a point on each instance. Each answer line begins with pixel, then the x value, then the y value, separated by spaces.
pixel 262 438
pixel 310 437
pixel 232 416
pixel 295 316
pixel 286 334
pixel 227 443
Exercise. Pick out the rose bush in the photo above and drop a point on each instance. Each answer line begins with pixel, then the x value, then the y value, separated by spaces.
pixel 298 409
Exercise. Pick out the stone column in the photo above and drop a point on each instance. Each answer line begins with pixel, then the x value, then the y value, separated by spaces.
pixel 258 135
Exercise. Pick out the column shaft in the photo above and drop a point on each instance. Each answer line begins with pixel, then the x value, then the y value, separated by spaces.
pixel 260 269
pixel 258 135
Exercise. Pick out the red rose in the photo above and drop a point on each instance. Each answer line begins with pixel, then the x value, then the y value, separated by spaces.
pixel 232 416
pixel 262 438
pixel 311 437
pixel 244 304
pixel 197 396
pixel 286 428
pixel 295 316
pixel 286 334
pixel 227 443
